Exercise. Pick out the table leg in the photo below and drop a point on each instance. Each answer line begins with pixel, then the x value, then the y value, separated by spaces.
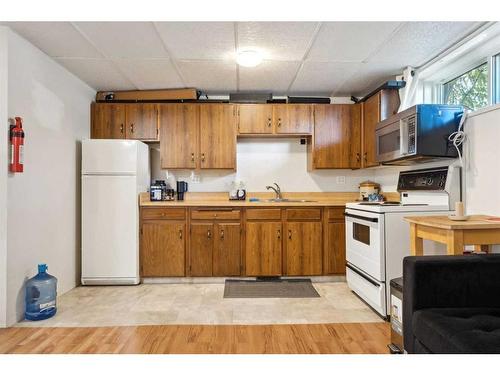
pixel 455 242
pixel 416 243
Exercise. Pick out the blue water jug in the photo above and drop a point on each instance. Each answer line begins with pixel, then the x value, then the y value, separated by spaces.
pixel 41 294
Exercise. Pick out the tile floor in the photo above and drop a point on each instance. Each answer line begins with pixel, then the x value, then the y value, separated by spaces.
pixel 148 304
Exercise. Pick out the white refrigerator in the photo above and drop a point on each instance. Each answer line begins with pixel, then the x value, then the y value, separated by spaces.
pixel 114 172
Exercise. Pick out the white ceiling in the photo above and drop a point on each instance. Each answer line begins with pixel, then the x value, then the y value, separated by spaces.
pixel 309 58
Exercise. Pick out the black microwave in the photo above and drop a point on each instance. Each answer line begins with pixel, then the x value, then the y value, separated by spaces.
pixel 418 134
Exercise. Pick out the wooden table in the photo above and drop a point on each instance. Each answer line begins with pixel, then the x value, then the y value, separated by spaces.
pixel 477 231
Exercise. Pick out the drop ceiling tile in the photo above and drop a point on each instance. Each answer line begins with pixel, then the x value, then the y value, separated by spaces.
pixel 124 39
pixel 99 74
pixel 285 41
pixel 349 41
pixel 209 76
pixel 56 39
pixel 368 77
pixel 150 74
pixel 417 42
pixel 323 77
pixel 198 40
pixel 274 76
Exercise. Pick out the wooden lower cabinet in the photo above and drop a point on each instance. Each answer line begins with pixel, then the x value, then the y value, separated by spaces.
pixel 162 248
pixel 303 248
pixel 263 248
pixel 334 255
pixel 201 249
pixel 226 259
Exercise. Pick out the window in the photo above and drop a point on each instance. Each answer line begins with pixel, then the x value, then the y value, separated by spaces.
pixel 496 79
pixel 469 89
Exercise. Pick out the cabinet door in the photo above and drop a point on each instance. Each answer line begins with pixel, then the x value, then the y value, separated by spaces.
pixel 334 256
pixel 142 121
pixel 263 249
pixel 255 119
pixel 303 248
pixel 200 249
pixel 162 248
pixel 179 128
pixel 217 136
pixel 226 259
pixel 108 121
pixel 293 118
pixel 334 138
pixel 371 117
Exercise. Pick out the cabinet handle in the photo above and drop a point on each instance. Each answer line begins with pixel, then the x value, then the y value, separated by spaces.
pixel 222 234
pixel 269 122
pixel 358 157
pixel 202 157
pixel 279 234
pixel 132 128
pixel 365 157
pixel 180 234
pixel 209 233
pixel 192 157
pixel 121 128
pixel 289 234
pixel 279 122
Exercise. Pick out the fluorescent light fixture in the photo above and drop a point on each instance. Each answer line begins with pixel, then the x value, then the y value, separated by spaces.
pixel 249 58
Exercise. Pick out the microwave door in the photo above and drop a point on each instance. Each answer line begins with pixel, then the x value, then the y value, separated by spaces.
pixel 389 142
pixel 403 136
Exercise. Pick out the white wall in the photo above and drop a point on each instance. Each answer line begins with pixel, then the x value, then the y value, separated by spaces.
pixel 3 176
pixel 44 201
pixel 482 151
pixel 261 162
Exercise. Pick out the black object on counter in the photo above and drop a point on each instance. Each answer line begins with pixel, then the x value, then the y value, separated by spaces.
pixel 182 187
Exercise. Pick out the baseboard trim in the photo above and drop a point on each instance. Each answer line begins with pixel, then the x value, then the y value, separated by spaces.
pixel 221 280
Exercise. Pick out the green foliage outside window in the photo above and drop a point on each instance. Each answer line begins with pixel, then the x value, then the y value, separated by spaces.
pixel 470 89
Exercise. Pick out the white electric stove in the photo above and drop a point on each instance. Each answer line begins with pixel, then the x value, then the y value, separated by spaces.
pixel 378 237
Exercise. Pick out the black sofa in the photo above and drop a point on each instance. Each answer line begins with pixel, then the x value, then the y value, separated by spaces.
pixel 451 304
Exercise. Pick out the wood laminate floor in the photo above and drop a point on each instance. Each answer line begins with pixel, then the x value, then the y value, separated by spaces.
pixel 336 338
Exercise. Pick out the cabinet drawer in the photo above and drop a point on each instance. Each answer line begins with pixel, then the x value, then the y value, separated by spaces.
pixel 217 214
pixel 336 213
pixel 163 213
pixel 303 213
pixel 263 214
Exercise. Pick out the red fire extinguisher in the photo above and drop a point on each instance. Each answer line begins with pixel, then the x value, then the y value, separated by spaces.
pixel 16 146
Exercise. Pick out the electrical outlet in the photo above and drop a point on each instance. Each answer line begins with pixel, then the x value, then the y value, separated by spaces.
pixel 195 178
pixel 340 180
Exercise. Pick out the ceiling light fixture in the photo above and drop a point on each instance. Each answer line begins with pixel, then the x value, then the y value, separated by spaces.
pixel 249 58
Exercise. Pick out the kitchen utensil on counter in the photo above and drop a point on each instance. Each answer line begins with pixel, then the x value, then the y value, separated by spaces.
pixel 238 191
pixel 155 192
pixel 366 188
pixel 170 194
pixel 182 187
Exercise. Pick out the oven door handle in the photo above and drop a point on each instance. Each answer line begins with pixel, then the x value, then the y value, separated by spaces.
pixel 371 219
pixel 363 276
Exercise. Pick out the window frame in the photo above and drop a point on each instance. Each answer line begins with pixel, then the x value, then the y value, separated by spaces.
pixel 476 64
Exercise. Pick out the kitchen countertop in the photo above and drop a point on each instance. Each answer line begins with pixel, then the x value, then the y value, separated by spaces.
pixel 221 200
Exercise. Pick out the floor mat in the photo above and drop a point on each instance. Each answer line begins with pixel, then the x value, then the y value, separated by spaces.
pixel 288 288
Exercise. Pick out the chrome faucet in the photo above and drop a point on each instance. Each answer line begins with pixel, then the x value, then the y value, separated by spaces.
pixel 276 189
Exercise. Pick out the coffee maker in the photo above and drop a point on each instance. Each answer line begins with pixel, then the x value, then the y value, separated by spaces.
pixel 182 187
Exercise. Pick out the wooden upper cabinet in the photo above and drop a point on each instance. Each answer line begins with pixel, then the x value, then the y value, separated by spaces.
pixel 179 130
pixel 217 136
pixel 336 142
pixel 108 121
pixel 255 118
pixel 376 108
pixel 293 118
pixel 162 248
pixel 303 248
pixel 263 248
pixel 142 121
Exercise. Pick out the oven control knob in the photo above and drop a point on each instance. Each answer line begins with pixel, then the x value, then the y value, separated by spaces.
pixel 430 181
